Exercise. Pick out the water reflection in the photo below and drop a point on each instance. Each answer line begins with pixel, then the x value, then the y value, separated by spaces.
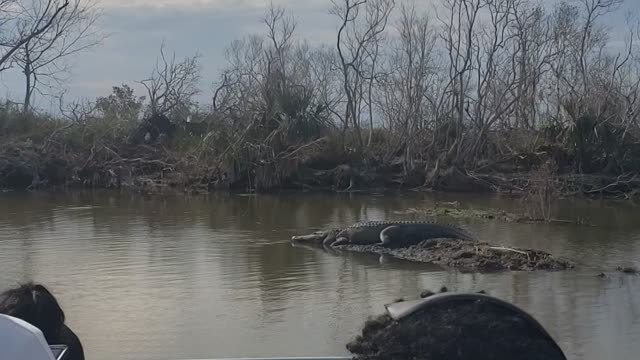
pixel 195 277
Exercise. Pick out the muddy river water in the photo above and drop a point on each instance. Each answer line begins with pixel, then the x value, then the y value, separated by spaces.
pixel 178 277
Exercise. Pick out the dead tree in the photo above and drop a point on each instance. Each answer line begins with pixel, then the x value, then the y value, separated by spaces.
pixel 495 79
pixel 170 90
pixel 532 31
pixel 42 58
pixel 172 84
pixel 405 89
pixel 459 23
pixel 275 81
pixel 19 26
pixel 327 79
pixel 358 37
pixel 593 10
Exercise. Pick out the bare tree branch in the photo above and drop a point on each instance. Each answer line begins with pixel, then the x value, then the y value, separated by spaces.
pixel 42 58
pixel 172 85
pixel 23 27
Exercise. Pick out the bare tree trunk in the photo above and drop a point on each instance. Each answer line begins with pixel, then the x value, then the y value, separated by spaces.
pixel 374 62
pixel 26 105
pixel 357 37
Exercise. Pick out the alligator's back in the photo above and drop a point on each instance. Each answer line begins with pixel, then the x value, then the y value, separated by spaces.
pixel 367 233
pixel 384 223
pixel 370 232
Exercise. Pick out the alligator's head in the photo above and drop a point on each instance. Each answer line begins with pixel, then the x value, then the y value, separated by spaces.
pixel 324 237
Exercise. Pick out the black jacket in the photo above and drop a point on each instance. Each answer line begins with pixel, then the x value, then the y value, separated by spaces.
pixel 69 338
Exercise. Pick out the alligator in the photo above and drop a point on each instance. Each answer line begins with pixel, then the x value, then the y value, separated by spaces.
pixel 392 234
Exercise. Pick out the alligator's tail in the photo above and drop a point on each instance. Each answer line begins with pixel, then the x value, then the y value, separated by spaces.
pixel 448 231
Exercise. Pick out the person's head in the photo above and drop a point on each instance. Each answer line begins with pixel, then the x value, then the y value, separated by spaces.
pixel 454 327
pixel 34 304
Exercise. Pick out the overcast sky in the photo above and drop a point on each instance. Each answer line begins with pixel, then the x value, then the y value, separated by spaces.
pixel 136 29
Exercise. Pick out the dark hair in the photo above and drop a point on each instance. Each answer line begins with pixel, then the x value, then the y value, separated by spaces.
pixel 475 329
pixel 34 304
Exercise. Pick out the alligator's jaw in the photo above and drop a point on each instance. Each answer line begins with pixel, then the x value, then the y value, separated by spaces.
pixel 318 237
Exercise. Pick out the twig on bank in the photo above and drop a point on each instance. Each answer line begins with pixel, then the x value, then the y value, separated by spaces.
pixel 505 249
pixel 614 184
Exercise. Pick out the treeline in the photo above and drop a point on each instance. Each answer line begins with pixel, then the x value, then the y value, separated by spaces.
pixel 450 97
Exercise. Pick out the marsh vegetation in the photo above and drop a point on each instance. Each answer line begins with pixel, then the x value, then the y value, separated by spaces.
pixel 470 95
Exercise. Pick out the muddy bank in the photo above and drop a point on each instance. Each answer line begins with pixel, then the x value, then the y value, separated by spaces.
pixel 470 256
pixel 158 168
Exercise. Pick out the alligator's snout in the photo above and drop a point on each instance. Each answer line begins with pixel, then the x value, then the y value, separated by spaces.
pixel 311 237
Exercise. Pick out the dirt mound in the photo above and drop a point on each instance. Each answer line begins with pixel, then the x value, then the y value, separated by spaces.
pixel 470 256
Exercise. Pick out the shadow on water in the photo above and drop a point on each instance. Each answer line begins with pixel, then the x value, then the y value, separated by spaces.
pixel 216 276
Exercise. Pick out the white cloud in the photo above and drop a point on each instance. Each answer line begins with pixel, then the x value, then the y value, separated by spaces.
pixel 233 5
pixel 138 27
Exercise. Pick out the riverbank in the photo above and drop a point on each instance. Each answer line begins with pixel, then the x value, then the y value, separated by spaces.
pixel 158 155
pixel 25 164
